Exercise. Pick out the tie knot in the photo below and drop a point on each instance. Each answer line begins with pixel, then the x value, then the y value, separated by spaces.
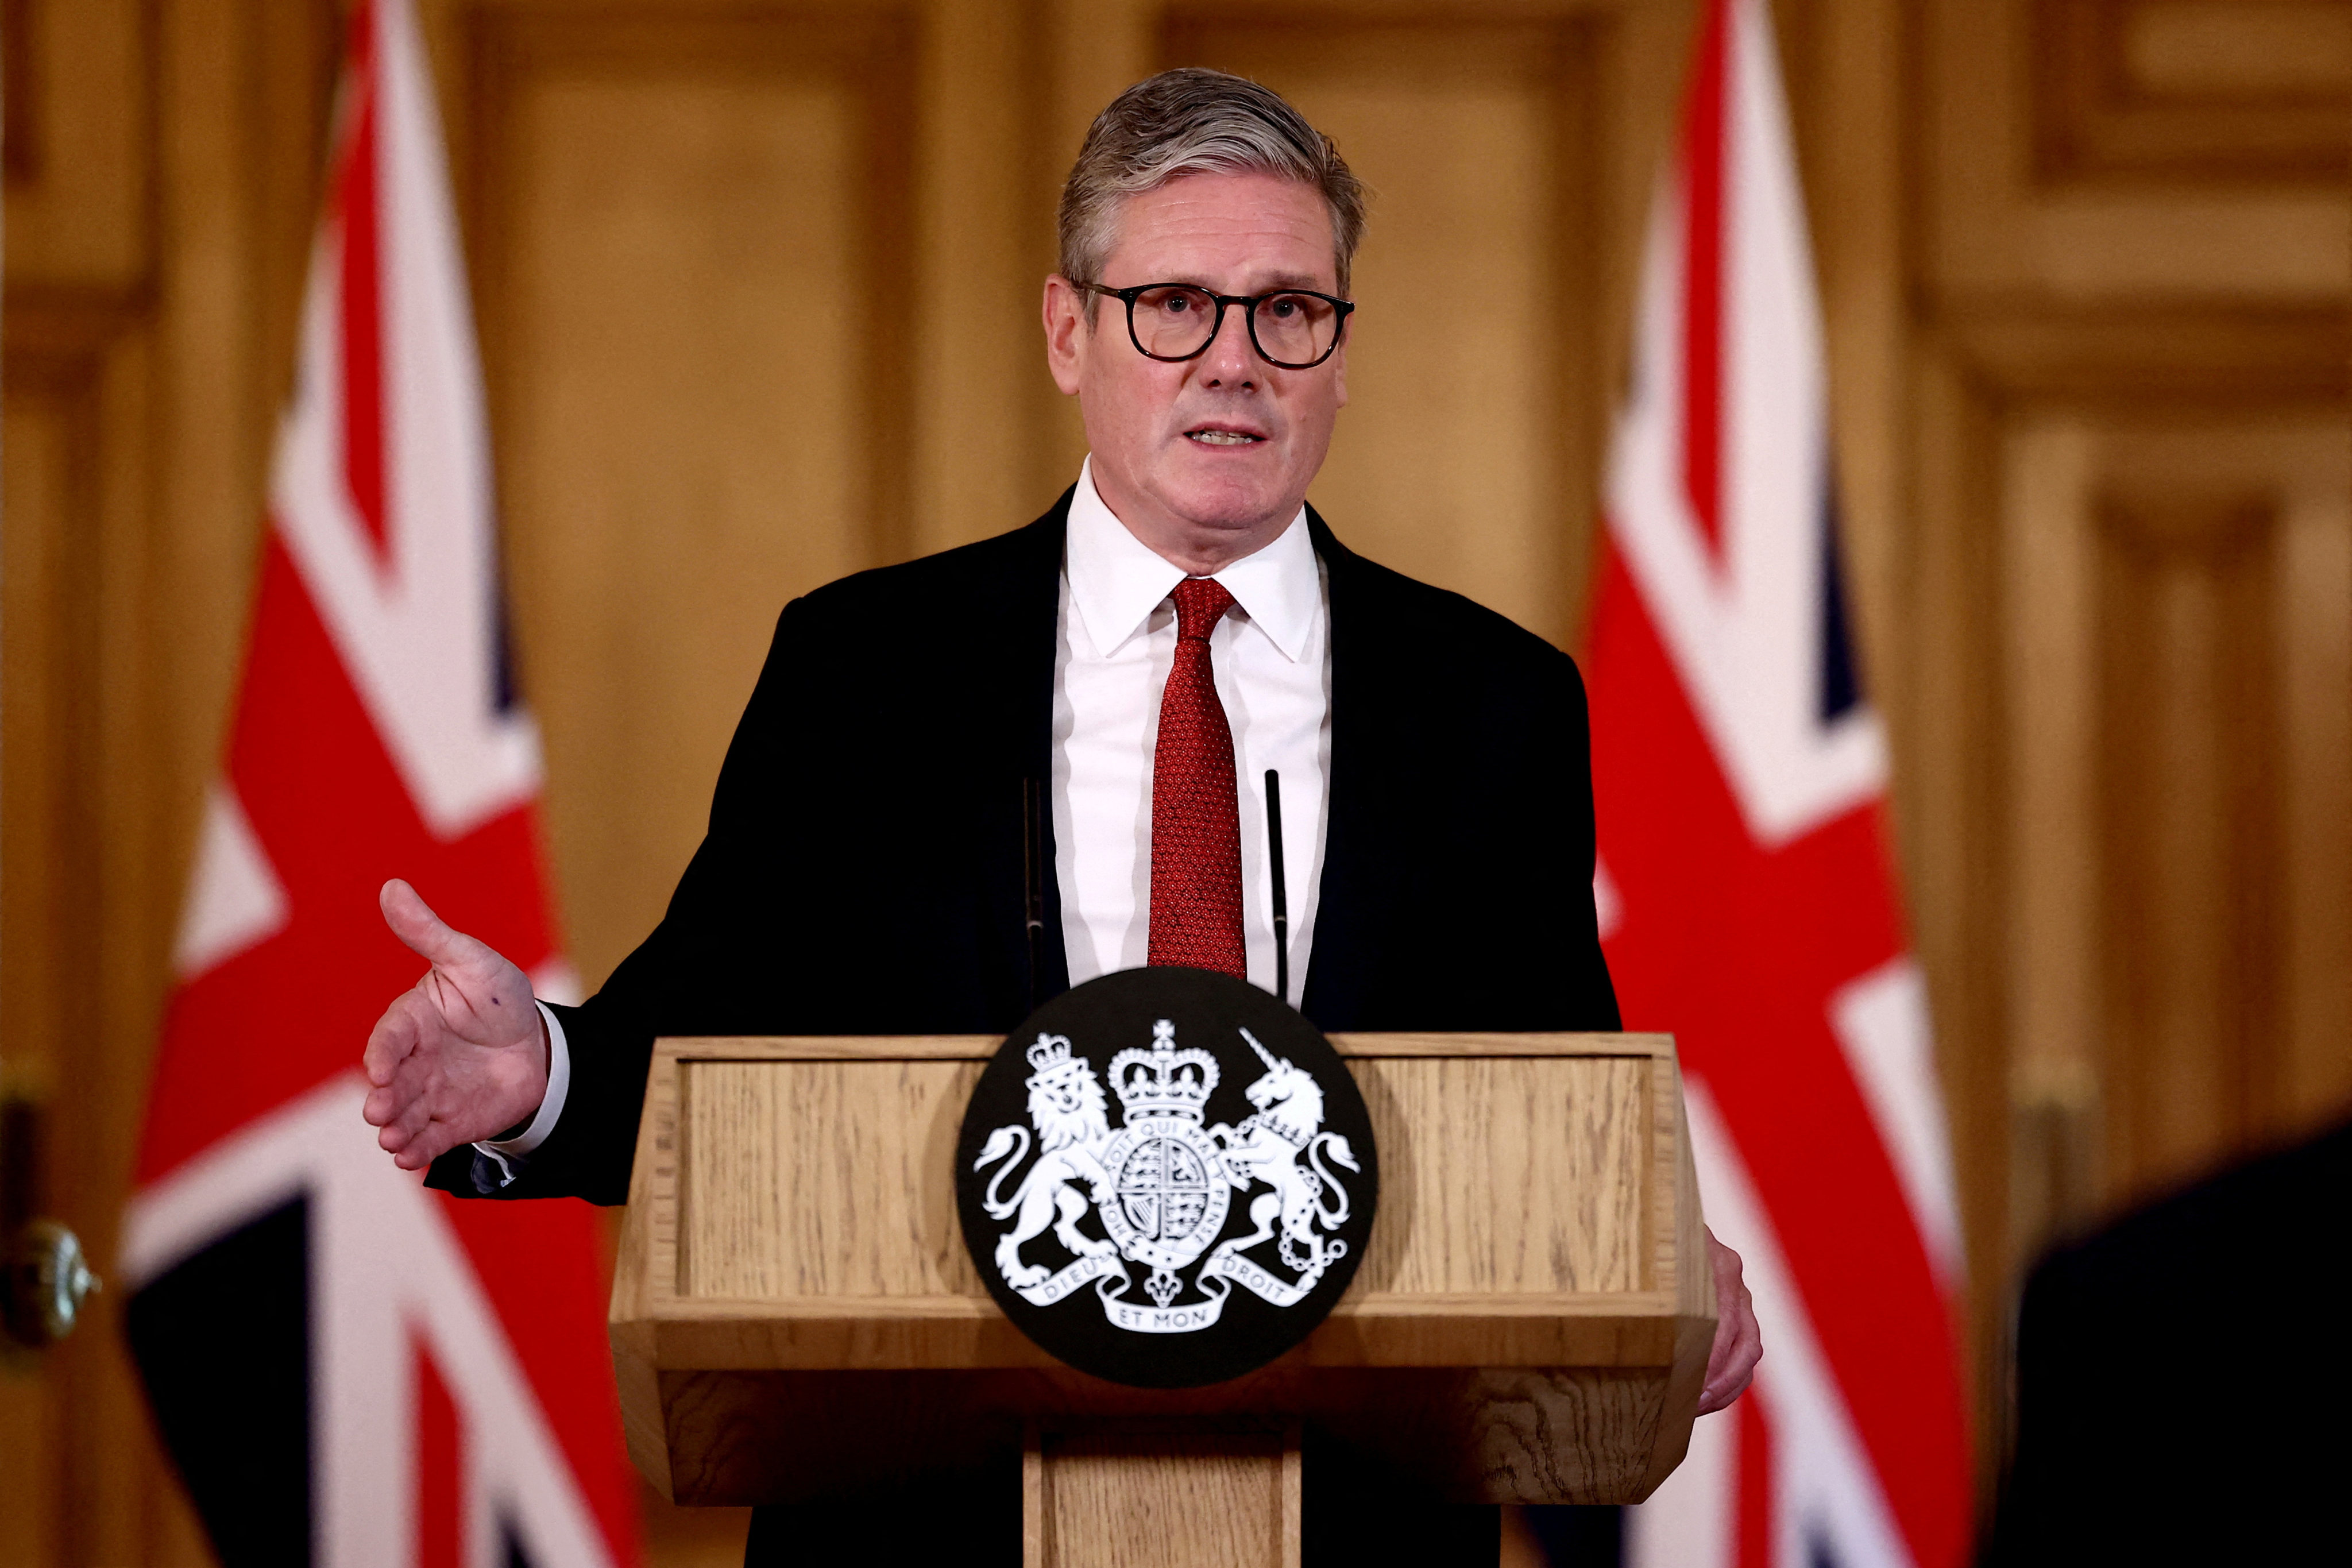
pixel 1201 604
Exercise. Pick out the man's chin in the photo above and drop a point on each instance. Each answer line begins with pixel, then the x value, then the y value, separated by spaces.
pixel 1227 503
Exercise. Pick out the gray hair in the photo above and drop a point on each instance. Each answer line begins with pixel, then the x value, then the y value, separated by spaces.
pixel 1193 120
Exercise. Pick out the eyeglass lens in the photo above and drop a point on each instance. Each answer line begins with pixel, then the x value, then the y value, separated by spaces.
pixel 1172 322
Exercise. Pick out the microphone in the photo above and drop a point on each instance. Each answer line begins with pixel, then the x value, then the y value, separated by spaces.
pixel 1281 895
pixel 1032 875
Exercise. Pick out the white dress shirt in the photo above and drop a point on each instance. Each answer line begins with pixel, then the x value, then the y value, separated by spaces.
pixel 1118 639
pixel 1271 654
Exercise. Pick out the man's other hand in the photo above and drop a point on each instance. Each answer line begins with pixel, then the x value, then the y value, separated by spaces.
pixel 462 1057
pixel 1738 1343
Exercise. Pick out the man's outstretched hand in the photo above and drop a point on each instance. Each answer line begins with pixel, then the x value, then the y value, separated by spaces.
pixel 460 1058
pixel 1738 1343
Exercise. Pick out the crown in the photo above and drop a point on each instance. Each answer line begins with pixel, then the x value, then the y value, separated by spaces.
pixel 1163 1080
pixel 1050 1052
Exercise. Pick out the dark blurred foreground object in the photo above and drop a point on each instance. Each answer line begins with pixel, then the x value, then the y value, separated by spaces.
pixel 2170 1407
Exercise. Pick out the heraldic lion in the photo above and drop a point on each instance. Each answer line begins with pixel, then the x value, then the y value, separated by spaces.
pixel 1072 1116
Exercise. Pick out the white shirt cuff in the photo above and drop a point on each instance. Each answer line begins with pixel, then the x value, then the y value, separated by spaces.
pixel 559 1084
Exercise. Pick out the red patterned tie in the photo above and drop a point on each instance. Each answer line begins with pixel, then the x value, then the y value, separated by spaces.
pixel 1196 837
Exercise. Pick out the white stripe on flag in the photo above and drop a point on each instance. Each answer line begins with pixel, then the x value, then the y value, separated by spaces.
pixel 1881 1020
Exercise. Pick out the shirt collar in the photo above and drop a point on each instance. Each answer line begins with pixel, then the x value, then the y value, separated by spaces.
pixel 1117 580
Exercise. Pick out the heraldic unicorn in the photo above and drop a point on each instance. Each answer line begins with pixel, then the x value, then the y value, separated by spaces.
pixel 1162 1183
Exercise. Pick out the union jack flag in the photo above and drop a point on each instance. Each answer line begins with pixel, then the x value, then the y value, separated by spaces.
pixel 1747 901
pixel 348 1369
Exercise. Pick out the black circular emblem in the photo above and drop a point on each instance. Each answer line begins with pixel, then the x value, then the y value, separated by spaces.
pixel 1166 1177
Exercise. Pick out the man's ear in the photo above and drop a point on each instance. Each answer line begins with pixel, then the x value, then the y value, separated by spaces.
pixel 1066 333
pixel 1339 375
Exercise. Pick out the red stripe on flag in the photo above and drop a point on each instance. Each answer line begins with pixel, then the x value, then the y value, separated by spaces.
pixel 440 1468
pixel 536 1263
pixel 334 819
pixel 1703 148
pixel 1737 950
pixel 362 291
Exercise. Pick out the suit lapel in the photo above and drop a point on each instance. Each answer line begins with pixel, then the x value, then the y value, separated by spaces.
pixel 1017 607
pixel 1351 906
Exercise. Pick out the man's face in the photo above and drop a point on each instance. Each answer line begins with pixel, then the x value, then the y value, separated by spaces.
pixel 1212 455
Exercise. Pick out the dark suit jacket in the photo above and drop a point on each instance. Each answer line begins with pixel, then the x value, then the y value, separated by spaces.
pixel 863 873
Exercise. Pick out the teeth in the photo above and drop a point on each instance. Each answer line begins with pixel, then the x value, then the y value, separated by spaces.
pixel 1223 437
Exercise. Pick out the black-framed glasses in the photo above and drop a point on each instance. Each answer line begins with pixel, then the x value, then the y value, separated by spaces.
pixel 1296 329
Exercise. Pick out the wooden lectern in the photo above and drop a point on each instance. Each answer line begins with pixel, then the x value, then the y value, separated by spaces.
pixel 795 1315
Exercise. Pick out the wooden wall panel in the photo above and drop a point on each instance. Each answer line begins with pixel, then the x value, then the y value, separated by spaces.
pixel 2186 738
pixel 2158 973
pixel 73 1046
pixel 1988 219
pixel 78 120
pixel 1474 416
pixel 2124 700
pixel 696 310
pixel 2193 90
pixel 154 226
pixel 45 428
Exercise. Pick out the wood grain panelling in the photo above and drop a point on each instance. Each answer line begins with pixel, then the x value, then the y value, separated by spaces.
pixel 767 1216
pixel 2193 90
pixel 71 1423
pixel 1474 416
pixel 2137 357
pixel 1190 1503
pixel 696 314
pixel 2187 739
pixel 175 156
pixel 48 430
pixel 1987 221
pixel 1460 1222
pixel 1945 715
pixel 2124 642
pixel 78 207
pixel 20 93
pixel 2141 924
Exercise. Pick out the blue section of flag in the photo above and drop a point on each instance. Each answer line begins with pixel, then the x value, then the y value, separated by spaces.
pixel 1841 689
pixel 223 1342
pixel 506 692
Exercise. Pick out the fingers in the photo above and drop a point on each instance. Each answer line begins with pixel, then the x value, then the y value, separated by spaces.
pixel 399 1129
pixel 404 1114
pixel 428 936
pixel 403 1081
pixel 393 1038
pixel 1738 1339
pixel 1731 1366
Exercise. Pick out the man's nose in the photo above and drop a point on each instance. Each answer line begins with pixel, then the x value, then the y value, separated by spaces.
pixel 1231 359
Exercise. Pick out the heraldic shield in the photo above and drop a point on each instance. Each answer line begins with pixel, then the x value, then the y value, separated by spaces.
pixel 1205 1226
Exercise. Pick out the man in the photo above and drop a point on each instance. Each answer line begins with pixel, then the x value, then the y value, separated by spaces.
pixel 1177 624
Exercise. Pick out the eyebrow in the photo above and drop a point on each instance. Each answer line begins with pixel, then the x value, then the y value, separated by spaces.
pixel 1280 281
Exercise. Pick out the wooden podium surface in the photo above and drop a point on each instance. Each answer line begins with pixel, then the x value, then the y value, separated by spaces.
pixel 795 1313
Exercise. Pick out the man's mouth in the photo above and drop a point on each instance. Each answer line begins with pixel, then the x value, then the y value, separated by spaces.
pixel 1212 435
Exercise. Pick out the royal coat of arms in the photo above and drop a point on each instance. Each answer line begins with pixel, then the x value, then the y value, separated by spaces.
pixel 1162 1184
